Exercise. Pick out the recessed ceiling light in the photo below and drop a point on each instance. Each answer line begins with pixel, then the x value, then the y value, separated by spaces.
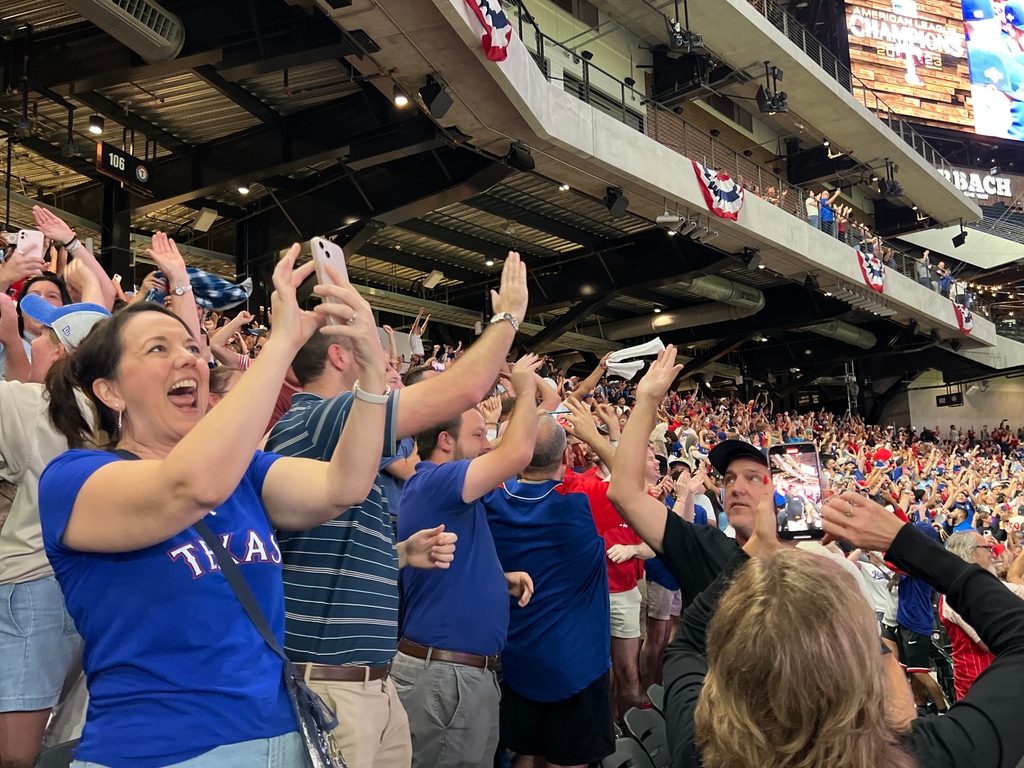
pixel 563 187
pixel 489 262
pixel 243 189
pixel 657 310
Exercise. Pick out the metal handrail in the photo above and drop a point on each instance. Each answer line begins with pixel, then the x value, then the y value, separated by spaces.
pixel 829 63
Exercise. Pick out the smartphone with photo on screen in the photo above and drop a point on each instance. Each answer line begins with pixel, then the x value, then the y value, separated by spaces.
pixel 796 478
pixel 325 253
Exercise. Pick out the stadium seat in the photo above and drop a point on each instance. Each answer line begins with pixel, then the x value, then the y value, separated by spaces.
pixel 57 757
pixel 628 754
pixel 648 727
pixel 656 693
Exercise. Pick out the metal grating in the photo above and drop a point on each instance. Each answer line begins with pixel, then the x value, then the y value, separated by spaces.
pixel 43 15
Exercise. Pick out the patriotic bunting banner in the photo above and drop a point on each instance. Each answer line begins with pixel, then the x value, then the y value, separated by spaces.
pixel 724 197
pixel 873 270
pixel 964 318
pixel 497 28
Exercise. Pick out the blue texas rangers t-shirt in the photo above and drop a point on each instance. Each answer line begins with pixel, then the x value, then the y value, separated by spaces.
pixel 175 667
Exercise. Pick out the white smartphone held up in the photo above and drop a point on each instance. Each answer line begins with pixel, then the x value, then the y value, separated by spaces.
pixel 29 237
pixel 325 253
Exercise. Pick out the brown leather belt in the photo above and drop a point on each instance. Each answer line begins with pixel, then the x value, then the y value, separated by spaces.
pixel 418 651
pixel 343 674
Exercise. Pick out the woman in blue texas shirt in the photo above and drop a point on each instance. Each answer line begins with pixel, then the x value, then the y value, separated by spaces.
pixel 176 670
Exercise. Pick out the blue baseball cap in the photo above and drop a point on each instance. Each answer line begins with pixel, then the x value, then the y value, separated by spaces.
pixel 71 323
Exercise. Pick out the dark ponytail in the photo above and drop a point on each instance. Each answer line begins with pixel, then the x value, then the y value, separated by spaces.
pixel 97 357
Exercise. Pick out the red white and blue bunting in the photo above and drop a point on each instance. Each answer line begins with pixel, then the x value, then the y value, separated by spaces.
pixel 872 269
pixel 964 318
pixel 724 197
pixel 497 28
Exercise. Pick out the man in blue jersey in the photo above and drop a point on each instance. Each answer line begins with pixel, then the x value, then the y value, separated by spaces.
pixel 556 704
pixel 456 622
pixel 341 579
pixel 915 620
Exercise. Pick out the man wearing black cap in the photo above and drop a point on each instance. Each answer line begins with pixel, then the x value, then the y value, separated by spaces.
pixel 694 554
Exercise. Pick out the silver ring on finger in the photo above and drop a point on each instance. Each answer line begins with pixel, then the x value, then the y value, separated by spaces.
pixel 351 320
pixel 849 512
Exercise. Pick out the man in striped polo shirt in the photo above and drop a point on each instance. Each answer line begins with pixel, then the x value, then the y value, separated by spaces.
pixel 341 579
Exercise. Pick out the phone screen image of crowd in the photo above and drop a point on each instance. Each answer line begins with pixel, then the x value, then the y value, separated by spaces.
pixel 798 494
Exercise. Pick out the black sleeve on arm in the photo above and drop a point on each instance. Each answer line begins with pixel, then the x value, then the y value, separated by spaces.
pixel 686 666
pixel 983 730
pixel 694 554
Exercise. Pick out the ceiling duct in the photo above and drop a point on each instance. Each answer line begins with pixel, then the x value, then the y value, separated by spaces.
pixel 844 332
pixel 735 301
pixel 150 30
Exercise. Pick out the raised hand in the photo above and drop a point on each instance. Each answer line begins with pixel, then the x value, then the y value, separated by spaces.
pixel 860 522
pixel 354 321
pixel 51 225
pixel 168 259
pixel 21 265
pixel 491 409
pixel 513 295
pixel 522 373
pixel 659 376
pixel 292 324
pixel 581 423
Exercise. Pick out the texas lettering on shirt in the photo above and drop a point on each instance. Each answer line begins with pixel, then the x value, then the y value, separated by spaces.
pixel 201 560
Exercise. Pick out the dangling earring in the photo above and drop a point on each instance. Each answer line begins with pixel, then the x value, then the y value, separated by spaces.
pixel 120 413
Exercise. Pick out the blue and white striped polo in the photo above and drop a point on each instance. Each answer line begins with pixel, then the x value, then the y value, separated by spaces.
pixel 340 579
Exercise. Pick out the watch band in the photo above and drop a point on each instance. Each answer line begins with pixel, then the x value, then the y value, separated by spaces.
pixel 181 290
pixel 505 316
pixel 366 397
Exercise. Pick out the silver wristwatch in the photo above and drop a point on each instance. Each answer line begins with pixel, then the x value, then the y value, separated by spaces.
pixel 506 316
pixel 181 290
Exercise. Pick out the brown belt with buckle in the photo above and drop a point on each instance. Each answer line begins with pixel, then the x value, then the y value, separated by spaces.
pixel 343 674
pixel 418 651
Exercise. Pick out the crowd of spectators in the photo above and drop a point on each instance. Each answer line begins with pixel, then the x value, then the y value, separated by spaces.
pixel 471 559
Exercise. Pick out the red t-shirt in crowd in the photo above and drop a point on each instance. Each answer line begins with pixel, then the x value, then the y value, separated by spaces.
pixel 622 577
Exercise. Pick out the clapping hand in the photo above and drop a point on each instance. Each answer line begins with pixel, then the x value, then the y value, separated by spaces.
pixel 430 548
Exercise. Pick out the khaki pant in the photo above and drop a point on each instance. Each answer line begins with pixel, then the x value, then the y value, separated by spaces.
pixel 373 729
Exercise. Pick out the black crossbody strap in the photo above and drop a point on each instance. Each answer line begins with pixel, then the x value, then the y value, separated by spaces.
pixel 235 579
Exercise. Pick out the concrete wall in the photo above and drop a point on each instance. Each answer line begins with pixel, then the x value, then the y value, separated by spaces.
pixel 1003 399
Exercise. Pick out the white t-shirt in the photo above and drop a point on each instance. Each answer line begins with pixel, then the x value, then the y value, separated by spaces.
pixel 877 581
pixel 811 203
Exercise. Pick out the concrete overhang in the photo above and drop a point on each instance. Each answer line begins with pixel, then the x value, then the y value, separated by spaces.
pixel 743 38
pixel 981 249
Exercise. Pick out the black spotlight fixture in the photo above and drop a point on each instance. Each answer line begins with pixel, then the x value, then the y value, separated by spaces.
pixel 519 157
pixel 587 55
pixel 630 82
pixel 770 99
pixel 715 133
pixel 960 239
pixel 95 124
pixel 747 153
pixel 616 202
pixel 435 97
pixel 889 187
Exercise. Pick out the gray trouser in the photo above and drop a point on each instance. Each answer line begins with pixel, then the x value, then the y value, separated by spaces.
pixel 453 712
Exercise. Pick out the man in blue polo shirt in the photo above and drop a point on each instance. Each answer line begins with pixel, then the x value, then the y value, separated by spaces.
pixel 556 703
pixel 341 579
pixel 455 625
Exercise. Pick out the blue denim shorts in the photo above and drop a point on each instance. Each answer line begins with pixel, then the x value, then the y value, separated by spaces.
pixel 279 752
pixel 38 643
